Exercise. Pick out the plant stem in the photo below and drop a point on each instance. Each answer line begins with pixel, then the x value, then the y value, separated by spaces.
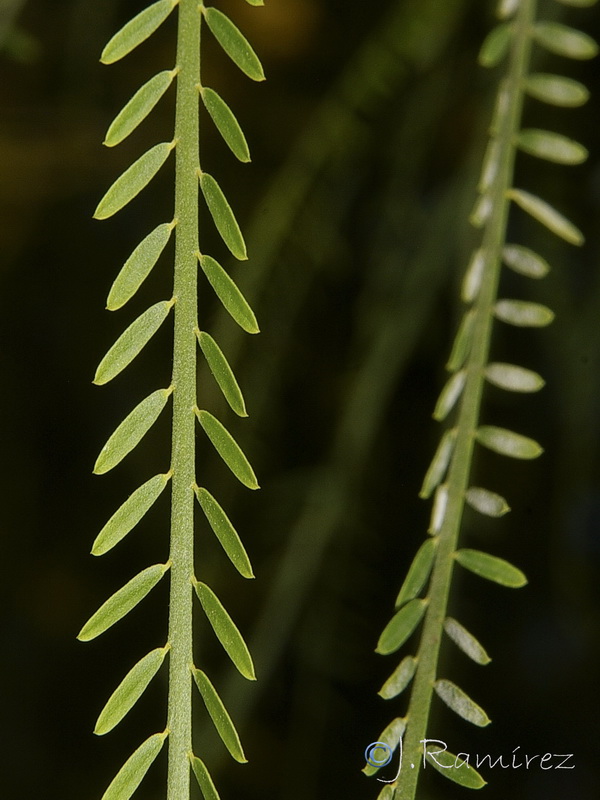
pixel 460 467
pixel 184 400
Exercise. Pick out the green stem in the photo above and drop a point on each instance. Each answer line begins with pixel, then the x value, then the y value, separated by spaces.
pixel 184 401
pixel 460 467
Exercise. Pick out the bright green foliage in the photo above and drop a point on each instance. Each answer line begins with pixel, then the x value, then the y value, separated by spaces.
pixel 225 532
pixel 220 717
pixel 547 215
pixel 137 30
pixel 138 108
pixel 234 43
pixel 223 217
pixel 491 567
pixel 401 626
pixel 131 774
pixel 228 449
pixel 205 782
pixel 224 376
pixel 399 679
pixel 508 443
pixel 226 123
pixel 229 294
pixel 418 573
pixel 453 767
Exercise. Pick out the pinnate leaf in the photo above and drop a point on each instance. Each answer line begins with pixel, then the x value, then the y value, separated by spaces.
pixel 418 573
pixel 223 217
pixel 218 713
pixel 137 30
pixel 122 602
pixel 486 502
pixel 466 641
pixel 513 378
pixel 525 261
pixel 226 631
pixel 205 782
pixel 556 90
pixel 130 432
pixel 508 443
pixel 401 626
pixel 228 449
pixel 234 43
pixel 131 774
pixel 565 41
pixel 226 124
pixel 225 532
pixel 129 691
pixel 138 108
pixel 452 767
pixel 229 294
pixel 551 146
pixel 399 679
pixel 439 464
pixel 547 215
pixel 491 567
pixel 132 341
pixel 138 266
pixel 523 314
pixel 219 366
pixel 461 703
pixel 129 514
pixel 133 180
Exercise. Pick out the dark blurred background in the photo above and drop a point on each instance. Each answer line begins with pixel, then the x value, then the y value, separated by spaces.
pixel 366 143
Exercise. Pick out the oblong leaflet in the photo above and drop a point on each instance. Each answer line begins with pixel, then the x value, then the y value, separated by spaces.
pixel 418 573
pixel 461 703
pixel 205 782
pixel 439 464
pixel 399 679
pixel 223 216
pixel 523 314
pixel 138 266
pixel 137 30
pixel 556 90
pixel 466 641
pixel 513 378
pixel 491 567
pixel 452 767
pixel 486 502
pixel 225 532
pixel 508 443
pixel 547 215
pixel 219 715
pixel 551 146
pixel 219 366
pixel 228 449
pixel 226 124
pixel 234 43
pixel 131 774
pixel 138 108
pixel 401 626
pixel 565 41
pixel 495 45
pixel 229 294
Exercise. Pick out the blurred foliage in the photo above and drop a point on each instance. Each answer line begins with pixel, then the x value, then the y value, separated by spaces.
pixel 366 142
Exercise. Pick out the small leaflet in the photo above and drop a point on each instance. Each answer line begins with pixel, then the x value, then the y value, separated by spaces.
pixel 387 793
pixel 486 502
pixel 466 641
pixel 439 464
pixel 508 443
pixel 400 627
pixel 131 774
pixel 449 395
pixel 205 782
pixel 234 43
pixel 131 342
pixel 219 715
pixel 138 108
pixel 524 261
pixel 551 146
pixel 473 277
pixel 122 602
pixel 390 736
pixel 133 180
pixel 461 703
pixel 453 767
pixel 226 631
pixel 229 294
pixel 225 532
pixel 226 124
pixel 129 514
pixel 547 215
pixel 495 45
pixel 137 30
pixel 399 679
pixel 438 511
pixel 219 366
pixel 223 217
pixel 228 449
pixel 129 691
pixel 491 163
pixel 556 90
pixel 481 211
pixel 523 314
pixel 491 567
pixel 565 41
pixel 131 431
pixel 513 378
pixel 418 573
pixel 138 266
pixel 462 342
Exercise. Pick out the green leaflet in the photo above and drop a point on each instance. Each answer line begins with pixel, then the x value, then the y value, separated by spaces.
pixel 387 793
pixel 439 464
pixel 481 211
pixel 129 514
pixel 390 736
pixel 474 275
pixel 228 293
pixel 486 502
pixel 226 631
pixel 491 567
pixel 462 342
pixel 138 266
pixel 218 713
pixel 129 691
pixel 508 443
pixel 525 261
pixel 131 774
pixel 138 108
pixel 547 215
pixel 418 573
pixel 223 373
pixel 551 146
pixel 226 124
pixel 122 602
pixel 399 679
pixel 565 41
pixel 495 45
pixel 228 449
pixel 137 30
pixel 400 627
pixel 133 180
pixel 466 641
pixel 461 703
pixel 452 767
pixel 438 509
pixel 223 217
pixel 556 90
pixel 513 378
pixel 234 43
pixel 225 532
pixel 449 395
pixel 523 314
pixel 132 341
pixel 205 782
pixel 130 432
